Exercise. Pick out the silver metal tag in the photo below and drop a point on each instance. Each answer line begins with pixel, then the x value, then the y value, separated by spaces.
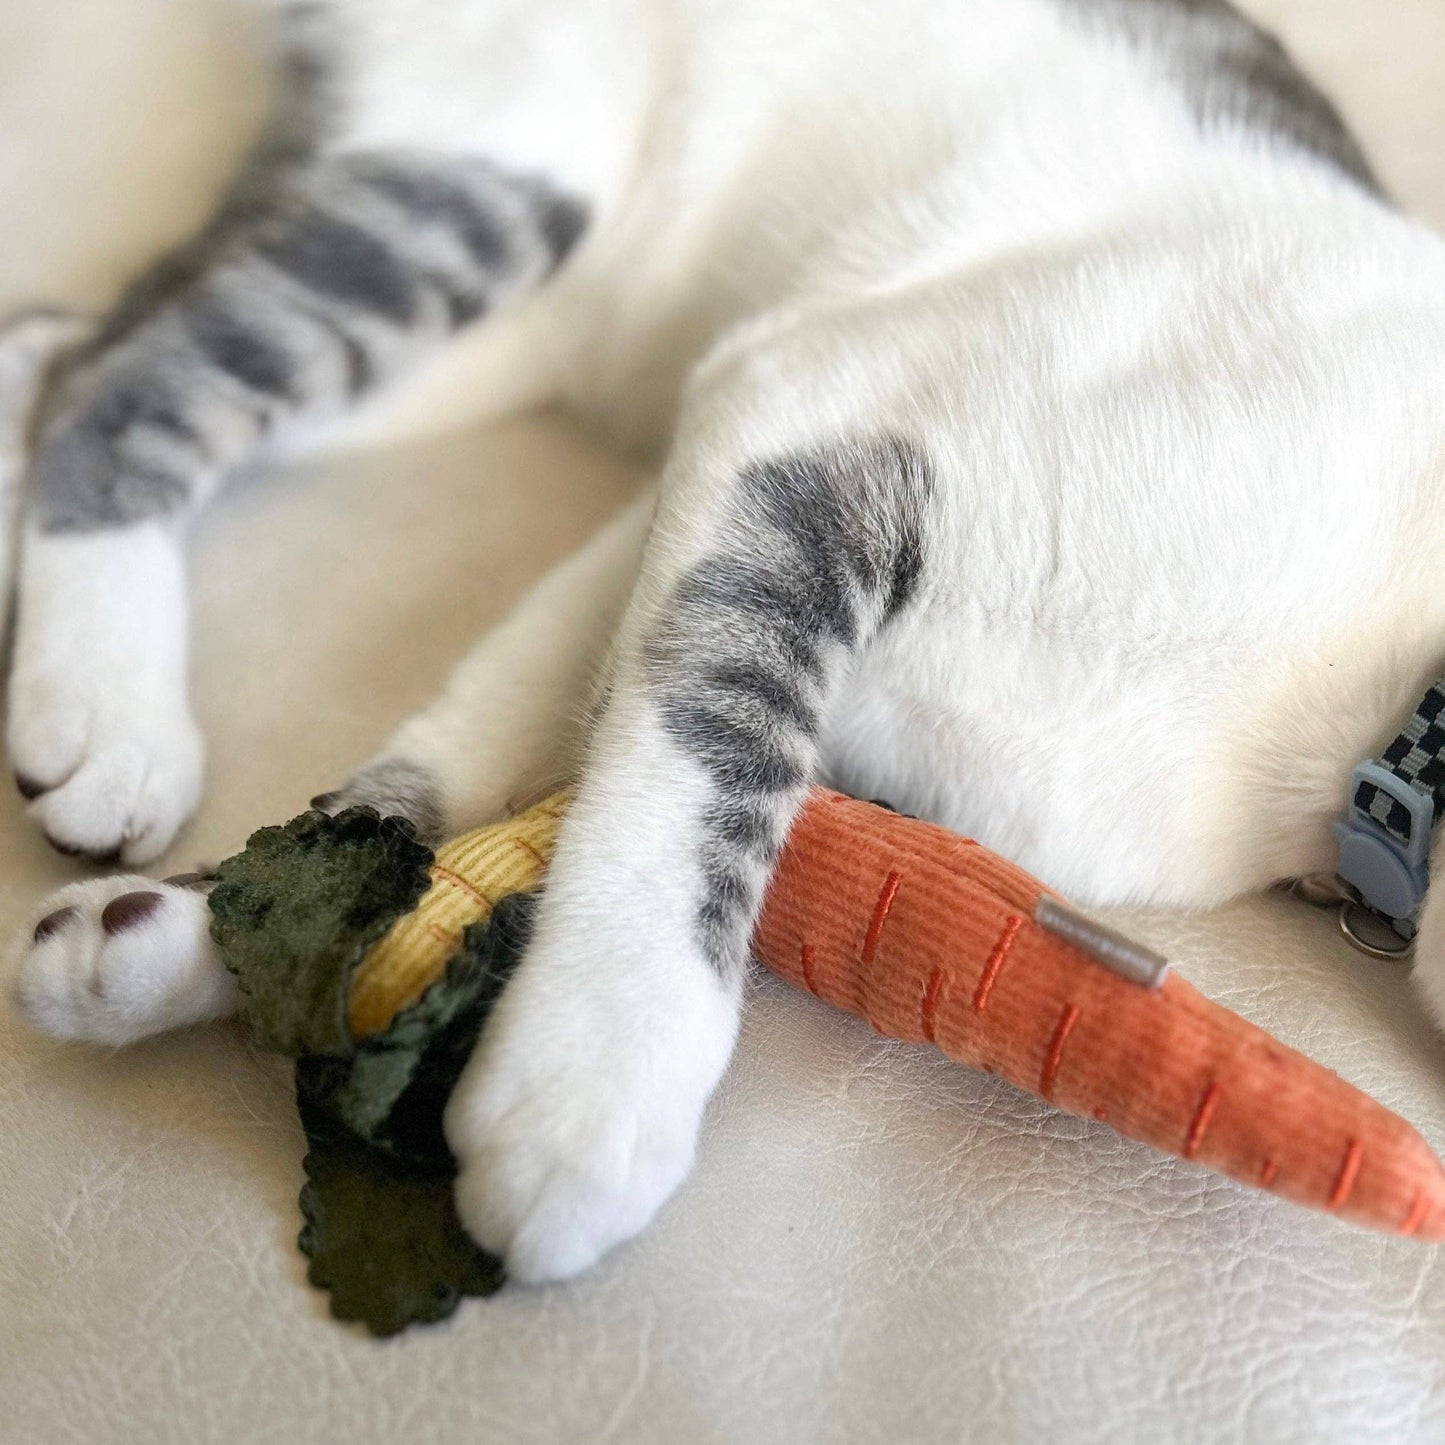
pixel 1104 945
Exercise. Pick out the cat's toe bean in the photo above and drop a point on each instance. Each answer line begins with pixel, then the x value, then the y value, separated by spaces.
pixel 129 910
pixel 53 922
pixel 111 960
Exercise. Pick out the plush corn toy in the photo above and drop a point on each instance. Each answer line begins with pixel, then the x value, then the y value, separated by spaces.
pixel 374 963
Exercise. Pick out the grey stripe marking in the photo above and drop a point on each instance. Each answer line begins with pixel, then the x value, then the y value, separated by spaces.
pixel 819 550
pixel 240 351
pixel 1233 74
pixel 356 257
pixel 433 198
pixel 82 480
pixel 337 259
pixel 563 220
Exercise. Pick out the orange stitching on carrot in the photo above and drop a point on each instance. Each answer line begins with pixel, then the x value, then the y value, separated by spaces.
pixel 880 914
pixel 457 881
pixel 1267 1173
pixel 808 969
pixel 451 940
pixel 1349 1172
pixel 996 962
pixel 1418 1210
pixel 526 847
pixel 1067 1020
pixel 932 997
pixel 1197 1129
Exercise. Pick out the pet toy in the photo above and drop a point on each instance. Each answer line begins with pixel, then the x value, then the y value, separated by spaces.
pixel 374 963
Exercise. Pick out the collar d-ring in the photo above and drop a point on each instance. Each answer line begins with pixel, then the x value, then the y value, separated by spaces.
pixel 1368 933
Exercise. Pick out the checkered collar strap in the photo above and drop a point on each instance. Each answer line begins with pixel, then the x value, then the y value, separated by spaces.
pixel 1395 802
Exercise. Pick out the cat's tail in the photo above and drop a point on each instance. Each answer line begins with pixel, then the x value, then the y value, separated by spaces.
pixel 30 346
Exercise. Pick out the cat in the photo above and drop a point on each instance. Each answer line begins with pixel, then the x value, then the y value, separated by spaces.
pixel 1051 421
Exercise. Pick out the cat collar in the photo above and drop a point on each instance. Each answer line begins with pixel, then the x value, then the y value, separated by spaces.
pixel 1383 871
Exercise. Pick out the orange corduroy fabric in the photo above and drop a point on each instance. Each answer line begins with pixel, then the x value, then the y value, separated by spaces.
pixel 930 937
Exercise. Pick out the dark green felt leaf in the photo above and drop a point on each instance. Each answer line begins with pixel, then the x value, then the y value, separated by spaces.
pixel 381 1229
pixel 297 910
pixel 383 1235
pixel 293 915
pixel 392 1090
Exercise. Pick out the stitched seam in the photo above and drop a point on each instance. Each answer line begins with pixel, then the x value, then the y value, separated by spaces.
pixel 932 997
pixel 457 881
pixel 1200 1123
pixel 1067 1020
pixel 881 911
pixel 1349 1172
pixel 808 969
pixel 996 962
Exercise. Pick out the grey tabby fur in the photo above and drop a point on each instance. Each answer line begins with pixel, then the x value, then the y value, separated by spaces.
pixel 1233 74
pixel 821 551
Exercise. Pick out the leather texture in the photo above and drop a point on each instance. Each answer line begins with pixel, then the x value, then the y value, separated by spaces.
pixel 876 1245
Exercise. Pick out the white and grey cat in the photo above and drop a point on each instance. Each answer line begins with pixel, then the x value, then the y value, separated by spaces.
pixel 1053 415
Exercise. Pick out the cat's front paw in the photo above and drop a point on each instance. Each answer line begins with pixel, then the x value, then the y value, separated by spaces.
pixel 396 787
pixel 109 777
pixel 101 737
pixel 111 960
pixel 578 1115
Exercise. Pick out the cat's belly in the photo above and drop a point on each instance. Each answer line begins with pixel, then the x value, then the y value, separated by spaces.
pixel 1091 774
pixel 1178 575
pixel 1183 775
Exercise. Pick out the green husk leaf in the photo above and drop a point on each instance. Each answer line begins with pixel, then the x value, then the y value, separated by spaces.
pixel 293 915
pixel 296 912
pixel 381 1229
pixel 392 1090
pixel 382 1234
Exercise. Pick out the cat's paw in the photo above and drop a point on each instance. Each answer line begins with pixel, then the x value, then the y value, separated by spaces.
pixel 110 775
pixel 100 733
pixel 111 960
pixel 578 1115
pixel 396 787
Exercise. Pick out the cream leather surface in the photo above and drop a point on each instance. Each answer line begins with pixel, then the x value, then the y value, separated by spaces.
pixel 875 1246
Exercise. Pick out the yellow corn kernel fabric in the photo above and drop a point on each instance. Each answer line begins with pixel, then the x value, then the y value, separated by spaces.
pixel 468 877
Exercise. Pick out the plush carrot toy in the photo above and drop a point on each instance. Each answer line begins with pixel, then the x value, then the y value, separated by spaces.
pixel 375 961
pixel 931 937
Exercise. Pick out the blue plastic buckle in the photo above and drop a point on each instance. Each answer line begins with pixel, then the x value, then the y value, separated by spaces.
pixel 1389 875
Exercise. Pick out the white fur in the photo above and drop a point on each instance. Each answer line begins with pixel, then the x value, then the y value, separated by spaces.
pixel 80 982
pixel 510 726
pixel 578 1114
pixel 98 707
pixel 1186 404
pixel 28 346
